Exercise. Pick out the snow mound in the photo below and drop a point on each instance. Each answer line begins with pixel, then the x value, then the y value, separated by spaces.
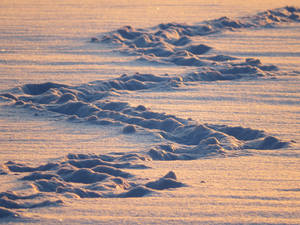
pixel 166 182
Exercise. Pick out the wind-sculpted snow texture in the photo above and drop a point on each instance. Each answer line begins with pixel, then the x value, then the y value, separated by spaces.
pixel 109 176
pixel 80 176
pixel 112 175
pixel 93 103
pixel 172 43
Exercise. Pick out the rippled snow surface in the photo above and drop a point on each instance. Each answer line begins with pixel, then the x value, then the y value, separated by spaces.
pixel 138 112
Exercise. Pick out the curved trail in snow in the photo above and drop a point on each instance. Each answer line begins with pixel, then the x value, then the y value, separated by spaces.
pixel 108 175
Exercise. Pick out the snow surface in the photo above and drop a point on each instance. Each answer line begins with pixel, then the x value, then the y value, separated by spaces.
pixel 133 112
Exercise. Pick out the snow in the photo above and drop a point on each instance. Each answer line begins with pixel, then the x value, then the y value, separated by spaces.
pixel 133 112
